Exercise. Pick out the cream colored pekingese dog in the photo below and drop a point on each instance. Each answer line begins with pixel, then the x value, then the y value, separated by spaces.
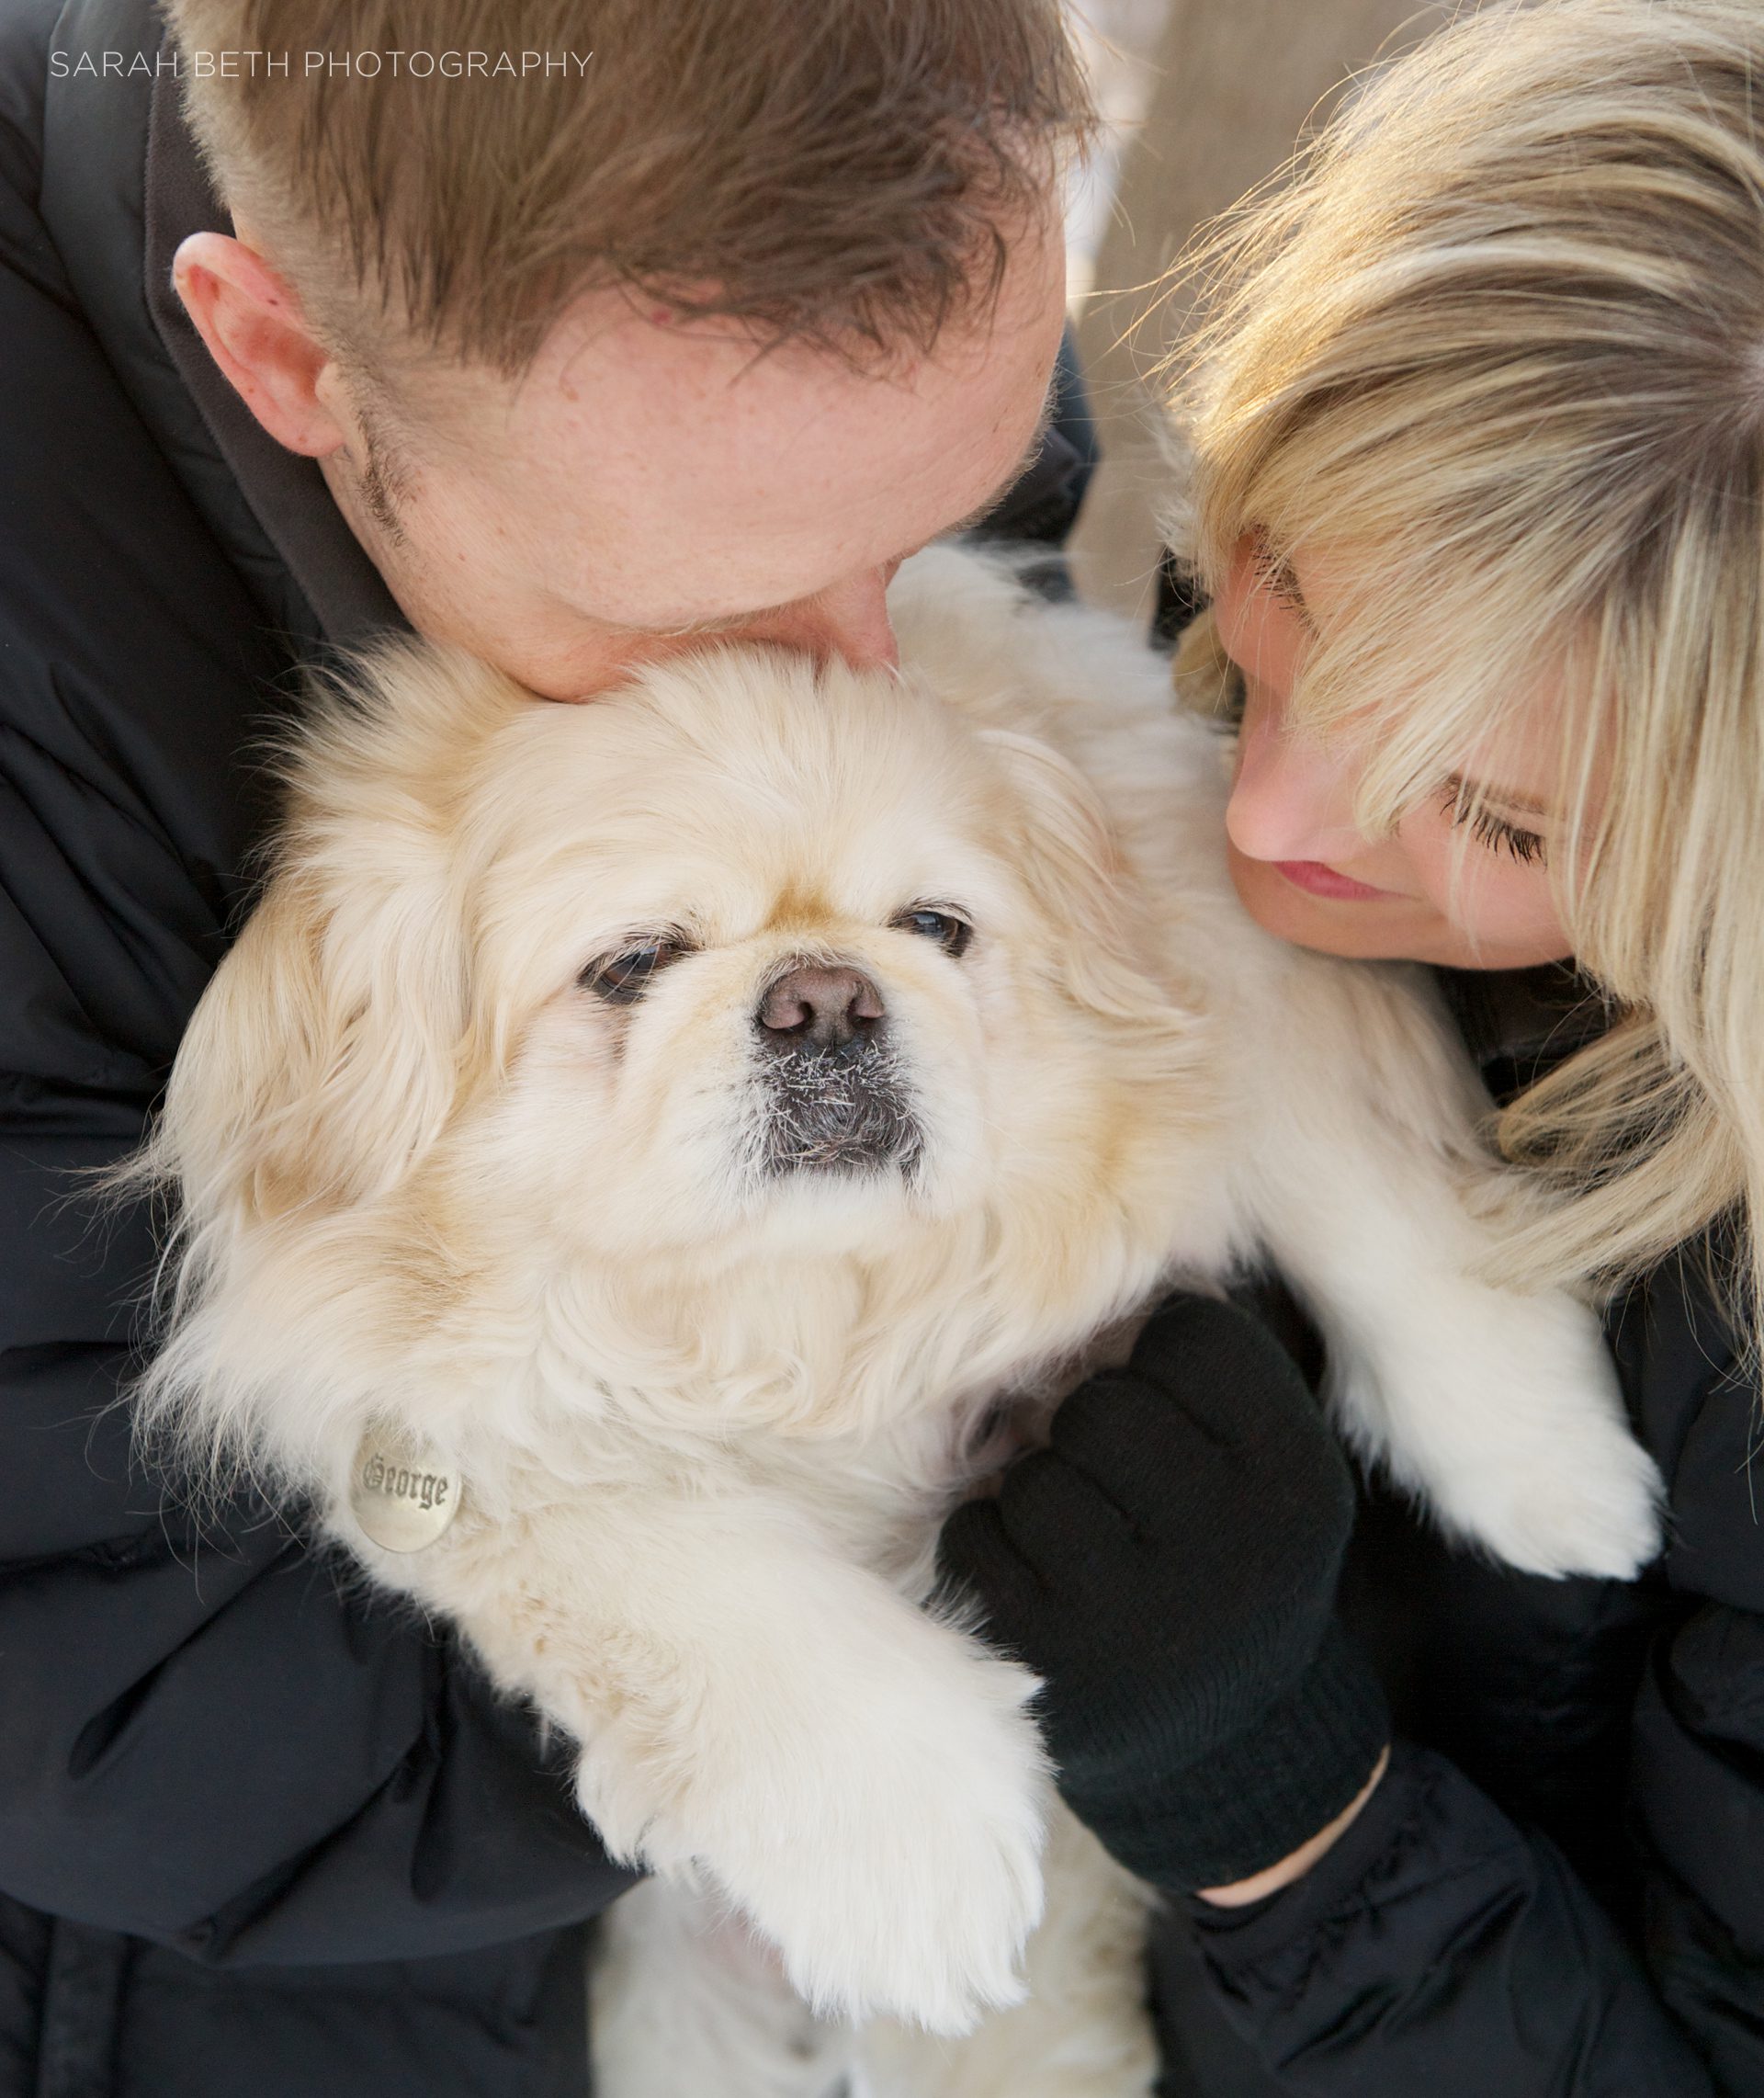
pixel 642 1142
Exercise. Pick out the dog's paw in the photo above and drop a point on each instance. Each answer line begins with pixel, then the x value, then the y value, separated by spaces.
pixel 1521 1446
pixel 878 1818
pixel 1586 1499
pixel 907 1884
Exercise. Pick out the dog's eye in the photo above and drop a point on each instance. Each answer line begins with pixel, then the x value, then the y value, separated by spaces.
pixel 951 933
pixel 622 979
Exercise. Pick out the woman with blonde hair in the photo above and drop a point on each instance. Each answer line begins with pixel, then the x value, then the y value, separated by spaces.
pixel 1476 420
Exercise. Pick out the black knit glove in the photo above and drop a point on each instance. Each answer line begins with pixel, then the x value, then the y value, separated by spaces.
pixel 1168 1565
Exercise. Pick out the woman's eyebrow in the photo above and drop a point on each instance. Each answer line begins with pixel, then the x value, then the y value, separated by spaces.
pixel 1481 790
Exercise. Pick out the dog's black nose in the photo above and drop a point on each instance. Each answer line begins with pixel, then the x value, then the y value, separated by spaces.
pixel 820 1007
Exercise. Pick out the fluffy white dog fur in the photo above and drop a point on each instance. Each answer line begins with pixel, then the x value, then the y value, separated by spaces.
pixel 714 1342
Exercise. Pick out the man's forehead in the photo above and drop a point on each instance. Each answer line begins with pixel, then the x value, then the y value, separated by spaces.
pixel 661 474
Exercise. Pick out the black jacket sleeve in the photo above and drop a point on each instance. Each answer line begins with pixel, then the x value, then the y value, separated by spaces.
pixel 1699 1763
pixel 213 1740
pixel 205 1739
pixel 1438 1949
pixel 1697 1735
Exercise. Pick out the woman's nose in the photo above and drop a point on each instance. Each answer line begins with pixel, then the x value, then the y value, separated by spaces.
pixel 1292 797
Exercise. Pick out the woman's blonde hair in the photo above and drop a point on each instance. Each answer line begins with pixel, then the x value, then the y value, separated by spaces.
pixel 1498 337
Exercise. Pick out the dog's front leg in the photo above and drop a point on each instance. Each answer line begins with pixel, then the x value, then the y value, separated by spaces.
pixel 1499 1405
pixel 758 1713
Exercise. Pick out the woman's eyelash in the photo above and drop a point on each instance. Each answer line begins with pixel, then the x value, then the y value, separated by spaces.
pixel 1279 581
pixel 1495 831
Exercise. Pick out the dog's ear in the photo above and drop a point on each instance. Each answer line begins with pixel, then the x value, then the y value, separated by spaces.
pixel 329 1049
pixel 1074 868
pixel 326 1054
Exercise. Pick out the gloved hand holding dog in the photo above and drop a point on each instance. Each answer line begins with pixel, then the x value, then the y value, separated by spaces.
pixel 1168 1564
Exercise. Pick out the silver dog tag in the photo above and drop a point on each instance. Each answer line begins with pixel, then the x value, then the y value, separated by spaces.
pixel 401 1497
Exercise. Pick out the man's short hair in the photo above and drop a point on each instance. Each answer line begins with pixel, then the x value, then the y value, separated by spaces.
pixel 835 170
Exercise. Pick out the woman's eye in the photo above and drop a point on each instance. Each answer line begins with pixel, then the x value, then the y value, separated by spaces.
pixel 1495 831
pixel 622 979
pixel 951 933
pixel 1276 577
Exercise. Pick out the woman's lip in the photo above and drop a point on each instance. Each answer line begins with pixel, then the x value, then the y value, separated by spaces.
pixel 1316 879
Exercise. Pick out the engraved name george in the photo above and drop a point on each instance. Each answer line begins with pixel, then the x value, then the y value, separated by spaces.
pixel 402 1499
pixel 425 1489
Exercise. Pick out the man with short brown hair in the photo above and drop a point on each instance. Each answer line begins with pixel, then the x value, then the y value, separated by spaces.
pixel 583 329
pixel 704 329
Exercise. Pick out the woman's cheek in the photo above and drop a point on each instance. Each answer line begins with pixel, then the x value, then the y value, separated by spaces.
pixel 1496 901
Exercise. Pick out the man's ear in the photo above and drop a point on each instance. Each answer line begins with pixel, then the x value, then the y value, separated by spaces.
pixel 1074 868
pixel 252 321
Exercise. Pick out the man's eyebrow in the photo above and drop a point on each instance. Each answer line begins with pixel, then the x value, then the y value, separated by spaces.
pixel 1481 790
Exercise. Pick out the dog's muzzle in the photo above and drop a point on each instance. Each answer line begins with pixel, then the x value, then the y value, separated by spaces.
pixel 833 1091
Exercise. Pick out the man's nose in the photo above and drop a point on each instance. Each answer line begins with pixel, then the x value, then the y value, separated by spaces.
pixel 849 620
pixel 1293 797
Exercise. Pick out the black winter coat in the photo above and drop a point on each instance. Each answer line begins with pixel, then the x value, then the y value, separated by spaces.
pixel 260 1837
